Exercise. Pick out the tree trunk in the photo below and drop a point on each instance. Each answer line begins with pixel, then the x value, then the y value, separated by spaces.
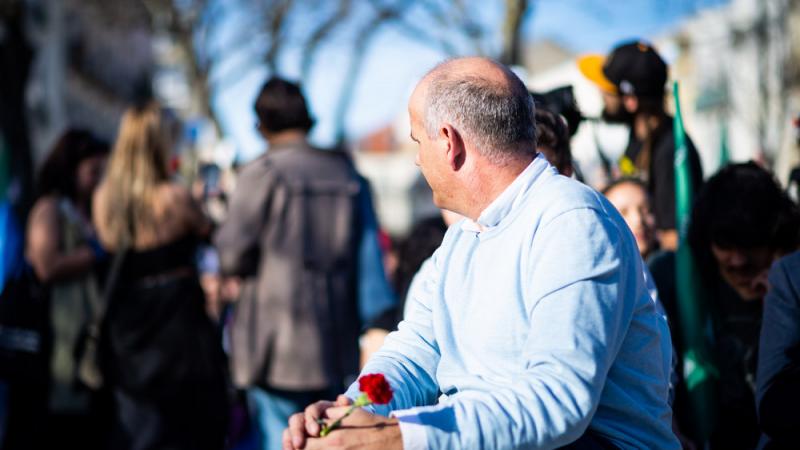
pixel 512 28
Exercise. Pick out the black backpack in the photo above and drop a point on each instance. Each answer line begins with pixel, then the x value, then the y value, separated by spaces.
pixel 24 329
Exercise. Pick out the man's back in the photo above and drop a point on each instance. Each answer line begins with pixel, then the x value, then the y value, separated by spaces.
pixel 539 326
pixel 293 234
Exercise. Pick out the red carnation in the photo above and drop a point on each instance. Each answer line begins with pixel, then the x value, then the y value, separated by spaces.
pixel 376 387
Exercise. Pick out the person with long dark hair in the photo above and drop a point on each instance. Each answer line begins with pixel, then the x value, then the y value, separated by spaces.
pixel 63 250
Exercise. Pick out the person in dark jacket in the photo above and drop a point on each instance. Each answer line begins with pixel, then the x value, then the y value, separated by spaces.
pixel 778 380
pixel 741 222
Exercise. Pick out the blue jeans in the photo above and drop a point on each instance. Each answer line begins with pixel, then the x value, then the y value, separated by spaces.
pixel 270 410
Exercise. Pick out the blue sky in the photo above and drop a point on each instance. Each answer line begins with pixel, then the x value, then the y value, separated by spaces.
pixel 395 62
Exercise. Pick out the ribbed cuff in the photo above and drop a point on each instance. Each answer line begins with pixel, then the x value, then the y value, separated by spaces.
pixel 411 430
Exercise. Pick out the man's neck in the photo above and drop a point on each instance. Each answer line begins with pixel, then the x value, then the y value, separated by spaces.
pixel 490 181
pixel 293 136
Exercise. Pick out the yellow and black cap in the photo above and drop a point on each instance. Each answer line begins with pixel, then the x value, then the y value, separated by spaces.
pixel 632 68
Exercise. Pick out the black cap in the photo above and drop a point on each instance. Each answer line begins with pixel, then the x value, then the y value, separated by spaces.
pixel 636 69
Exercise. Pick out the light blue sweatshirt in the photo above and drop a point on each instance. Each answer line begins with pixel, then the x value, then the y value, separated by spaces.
pixel 534 329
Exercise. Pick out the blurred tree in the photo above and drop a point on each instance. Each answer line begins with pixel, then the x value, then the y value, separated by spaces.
pixel 452 26
pixel 269 29
pixel 189 24
pixel 515 12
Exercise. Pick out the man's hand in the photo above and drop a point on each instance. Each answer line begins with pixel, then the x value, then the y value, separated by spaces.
pixel 307 423
pixel 360 430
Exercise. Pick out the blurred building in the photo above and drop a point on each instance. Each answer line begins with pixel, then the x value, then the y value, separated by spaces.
pixel 400 193
pixel 92 57
pixel 739 66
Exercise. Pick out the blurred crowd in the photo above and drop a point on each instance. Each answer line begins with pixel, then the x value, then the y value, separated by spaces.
pixel 142 309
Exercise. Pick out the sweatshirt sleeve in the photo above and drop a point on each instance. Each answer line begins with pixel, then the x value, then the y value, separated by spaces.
pixel 411 352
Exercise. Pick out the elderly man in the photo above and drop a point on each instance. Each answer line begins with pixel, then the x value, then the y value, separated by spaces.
pixel 531 326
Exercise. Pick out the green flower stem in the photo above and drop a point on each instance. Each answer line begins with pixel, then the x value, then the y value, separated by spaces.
pixel 362 400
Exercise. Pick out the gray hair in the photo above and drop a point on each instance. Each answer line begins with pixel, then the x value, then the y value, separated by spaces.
pixel 497 117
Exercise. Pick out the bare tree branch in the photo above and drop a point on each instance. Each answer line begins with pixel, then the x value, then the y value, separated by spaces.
pixel 234 74
pixel 192 23
pixel 320 33
pixel 165 14
pixel 383 15
pixel 276 29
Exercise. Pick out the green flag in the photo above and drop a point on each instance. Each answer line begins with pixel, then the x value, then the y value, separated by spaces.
pixel 698 369
pixel 724 151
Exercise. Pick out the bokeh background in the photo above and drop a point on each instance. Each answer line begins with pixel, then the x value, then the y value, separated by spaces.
pixel 80 62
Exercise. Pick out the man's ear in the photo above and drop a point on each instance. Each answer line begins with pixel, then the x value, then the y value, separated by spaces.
pixel 630 103
pixel 456 152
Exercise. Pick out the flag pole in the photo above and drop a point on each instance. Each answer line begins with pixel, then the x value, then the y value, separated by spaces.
pixel 699 371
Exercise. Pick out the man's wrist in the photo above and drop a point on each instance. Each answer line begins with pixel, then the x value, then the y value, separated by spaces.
pixel 394 439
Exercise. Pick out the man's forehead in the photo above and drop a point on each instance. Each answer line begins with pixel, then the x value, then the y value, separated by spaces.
pixel 419 90
pixel 415 102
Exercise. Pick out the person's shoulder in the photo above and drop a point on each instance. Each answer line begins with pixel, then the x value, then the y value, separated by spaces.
pixel 46 202
pixel 257 171
pixel 564 200
pixel 560 194
pixel 786 272
pixel 46 207
pixel 256 165
pixel 300 155
pixel 792 260
pixel 331 155
pixel 175 194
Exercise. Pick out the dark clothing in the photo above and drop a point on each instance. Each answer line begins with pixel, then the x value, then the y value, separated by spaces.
pixel 293 235
pixel 591 441
pixel 660 173
pixel 424 238
pixel 793 186
pixel 736 326
pixel 162 356
pixel 778 382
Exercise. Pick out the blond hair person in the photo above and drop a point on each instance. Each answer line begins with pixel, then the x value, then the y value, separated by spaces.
pixel 160 354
